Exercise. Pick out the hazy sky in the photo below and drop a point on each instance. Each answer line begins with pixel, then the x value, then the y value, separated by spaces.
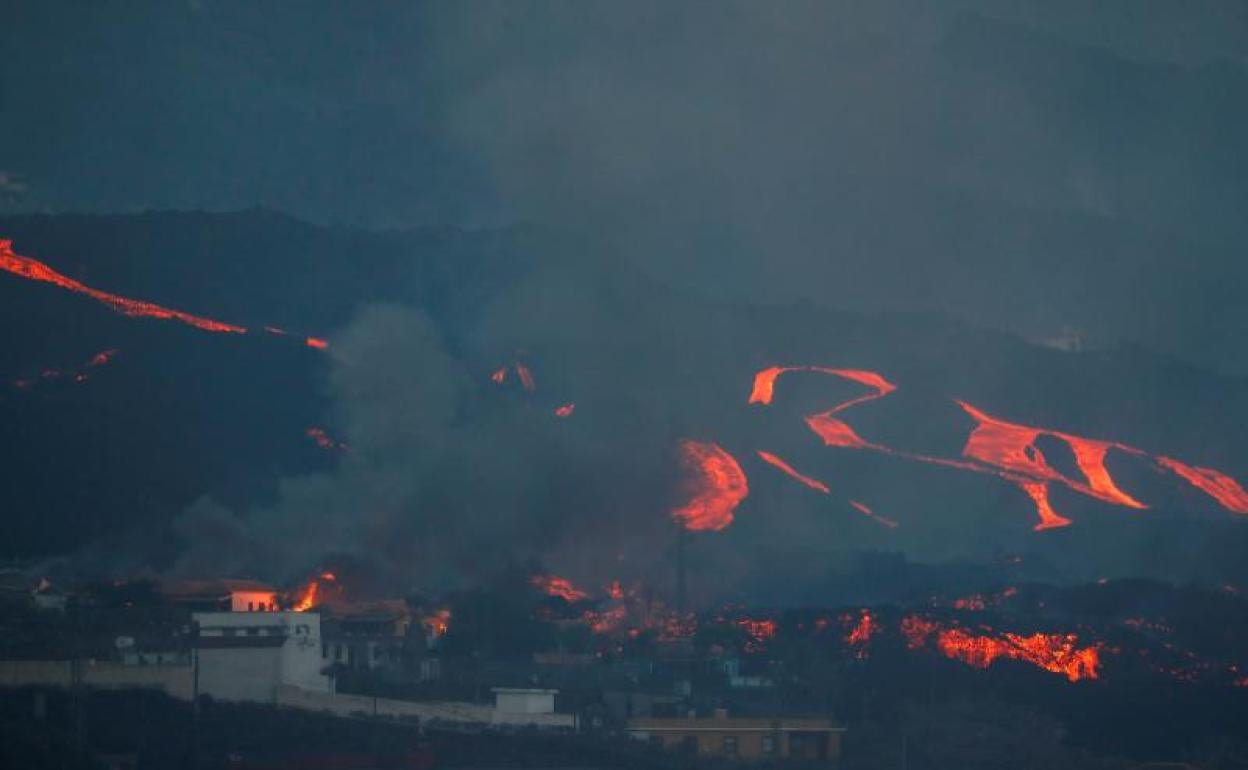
pixel 1026 165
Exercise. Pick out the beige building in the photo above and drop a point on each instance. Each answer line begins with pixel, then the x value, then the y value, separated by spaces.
pixel 744 738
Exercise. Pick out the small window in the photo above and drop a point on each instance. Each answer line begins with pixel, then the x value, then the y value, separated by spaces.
pixel 797 745
pixel 769 745
pixel 730 746
pixel 251 606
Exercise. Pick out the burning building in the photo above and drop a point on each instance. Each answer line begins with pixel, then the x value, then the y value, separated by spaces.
pixel 250 656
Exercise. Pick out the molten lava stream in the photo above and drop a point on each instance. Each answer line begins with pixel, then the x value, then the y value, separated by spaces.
pixel 1217 485
pixel 716 485
pixel 775 461
pixel 35 270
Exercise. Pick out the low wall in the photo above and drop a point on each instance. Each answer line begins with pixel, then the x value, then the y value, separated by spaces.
pixel 177 682
pixel 173 680
pixel 425 711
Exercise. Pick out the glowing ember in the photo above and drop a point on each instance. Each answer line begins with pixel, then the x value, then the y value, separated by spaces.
pixel 76 375
pixel 773 460
pixel 865 510
pixel 324 440
pixel 860 634
pixel 1217 485
pixel 34 270
pixel 565 411
pixel 715 485
pixel 557 586
pixel 758 631
pixel 499 376
pixel 316 342
pixel 526 377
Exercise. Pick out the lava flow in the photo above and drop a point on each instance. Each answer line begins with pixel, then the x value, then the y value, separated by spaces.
pixel 775 461
pixel 1217 485
pixel 552 585
pixel 1058 653
pixel 1004 449
pixel 716 486
pixel 35 270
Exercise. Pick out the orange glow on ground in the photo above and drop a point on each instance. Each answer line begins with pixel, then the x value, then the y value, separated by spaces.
pixel 715 486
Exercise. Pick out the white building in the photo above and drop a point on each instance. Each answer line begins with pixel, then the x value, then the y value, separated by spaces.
pixel 247 656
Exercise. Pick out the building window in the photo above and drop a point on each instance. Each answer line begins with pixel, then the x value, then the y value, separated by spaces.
pixel 251 606
pixel 797 745
pixel 769 745
pixel 730 746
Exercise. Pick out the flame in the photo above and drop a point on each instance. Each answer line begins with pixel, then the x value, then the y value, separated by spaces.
pixel 814 484
pixel 716 486
pixel 329 576
pixel 35 270
pixel 438 622
pixel 553 585
pixel 316 342
pixel 1226 490
pixel 566 410
pixel 499 376
pixel 307 599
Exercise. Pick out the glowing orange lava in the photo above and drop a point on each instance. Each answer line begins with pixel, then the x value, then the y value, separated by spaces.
pixel 552 585
pixel 860 633
pixel 35 270
pixel 565 411
pixel 1219 486
pixel 1058 653
pixel 715 485
pixel 865 510
pixel 773 460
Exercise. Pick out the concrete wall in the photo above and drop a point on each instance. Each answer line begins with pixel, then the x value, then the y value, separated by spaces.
pixel 240 673
pixel 174 680
pixel 426 711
